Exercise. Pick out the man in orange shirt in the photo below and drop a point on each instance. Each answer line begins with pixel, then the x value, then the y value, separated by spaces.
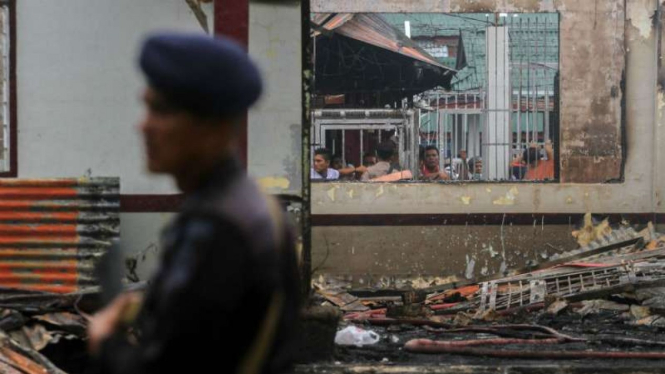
pixel 538 169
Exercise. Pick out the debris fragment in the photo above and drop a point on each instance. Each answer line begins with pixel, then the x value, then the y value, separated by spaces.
pixel 596 306
pixel 353 335
pixel 557 306
pixel 640 312
pixel 613 282
pixel 462 319
pixel 489 315
pixel 590 232
pixel 345 301
pixel 650 321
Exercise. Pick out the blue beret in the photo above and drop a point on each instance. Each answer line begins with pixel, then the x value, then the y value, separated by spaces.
pixel 204 74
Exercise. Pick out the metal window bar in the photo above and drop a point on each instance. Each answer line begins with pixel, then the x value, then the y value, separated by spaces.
pixel 439 140
pixel 6 144
pixel 534 86
pixel 546 129
pixel 528 107
pixel 330 124
pixel 362 147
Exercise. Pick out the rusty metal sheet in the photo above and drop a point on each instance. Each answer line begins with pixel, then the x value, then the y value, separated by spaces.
pixel 19 359
pixel 53 230
pixel 374 30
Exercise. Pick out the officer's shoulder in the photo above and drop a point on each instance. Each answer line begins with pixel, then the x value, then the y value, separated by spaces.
pixel 242 203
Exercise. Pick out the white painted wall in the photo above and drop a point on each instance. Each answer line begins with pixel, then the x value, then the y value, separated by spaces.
pixel 140 235
pixel 79 87
pixel 274 126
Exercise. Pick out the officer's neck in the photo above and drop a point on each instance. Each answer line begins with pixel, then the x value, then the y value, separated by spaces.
pixel 191 178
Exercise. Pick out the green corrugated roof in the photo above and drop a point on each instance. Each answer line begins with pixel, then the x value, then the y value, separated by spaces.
pixel 534 40
pixel 436 24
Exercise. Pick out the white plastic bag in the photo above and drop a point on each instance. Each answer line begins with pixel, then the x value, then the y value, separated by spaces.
pixel 353 335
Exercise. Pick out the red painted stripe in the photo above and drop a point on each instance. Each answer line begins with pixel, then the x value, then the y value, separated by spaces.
pixel 150 203
pixel 456 219
pixel 232 20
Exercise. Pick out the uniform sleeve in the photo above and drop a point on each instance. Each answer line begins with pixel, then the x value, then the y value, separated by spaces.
pixel 197 295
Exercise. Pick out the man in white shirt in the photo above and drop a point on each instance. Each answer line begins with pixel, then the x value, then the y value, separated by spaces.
pixel 321 169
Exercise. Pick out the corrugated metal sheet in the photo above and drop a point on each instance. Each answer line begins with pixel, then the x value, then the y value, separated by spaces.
pixel 534 38
pixel 374 30
pixel 52 231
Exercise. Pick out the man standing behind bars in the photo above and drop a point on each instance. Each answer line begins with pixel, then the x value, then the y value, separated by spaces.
pixel 225 298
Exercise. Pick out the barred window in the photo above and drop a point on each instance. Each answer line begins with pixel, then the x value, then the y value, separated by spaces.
pixel 463 96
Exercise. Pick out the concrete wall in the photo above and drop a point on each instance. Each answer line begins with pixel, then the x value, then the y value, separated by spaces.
pixel 78 102
pixel 140 235
pixel 590 97
pixel 79 98
pixel 79 88
pixel 599 43
pixel 659 139
pixel 79 93
pixel 367 256
pixel 274 137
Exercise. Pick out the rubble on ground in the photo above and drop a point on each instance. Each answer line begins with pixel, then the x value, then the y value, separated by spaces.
pixel 44 332
pixel 604 300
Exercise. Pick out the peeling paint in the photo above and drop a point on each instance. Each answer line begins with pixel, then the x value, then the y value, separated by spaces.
pixel 485 269
pixel 639 15
pixel 466 200
pixel 379 191
pixel 569 200
pixel 509 199
pixel 523 6
pixel 660 101
pixel 331 194
pixel 491 251
pixel 350 193
pixel 271 183
pixel 470 265
pixel 446 6
pixel 547 6
pixel 437 6
pixel 475 6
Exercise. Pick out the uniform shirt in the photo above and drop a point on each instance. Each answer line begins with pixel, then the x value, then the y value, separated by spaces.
pixel 223 262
